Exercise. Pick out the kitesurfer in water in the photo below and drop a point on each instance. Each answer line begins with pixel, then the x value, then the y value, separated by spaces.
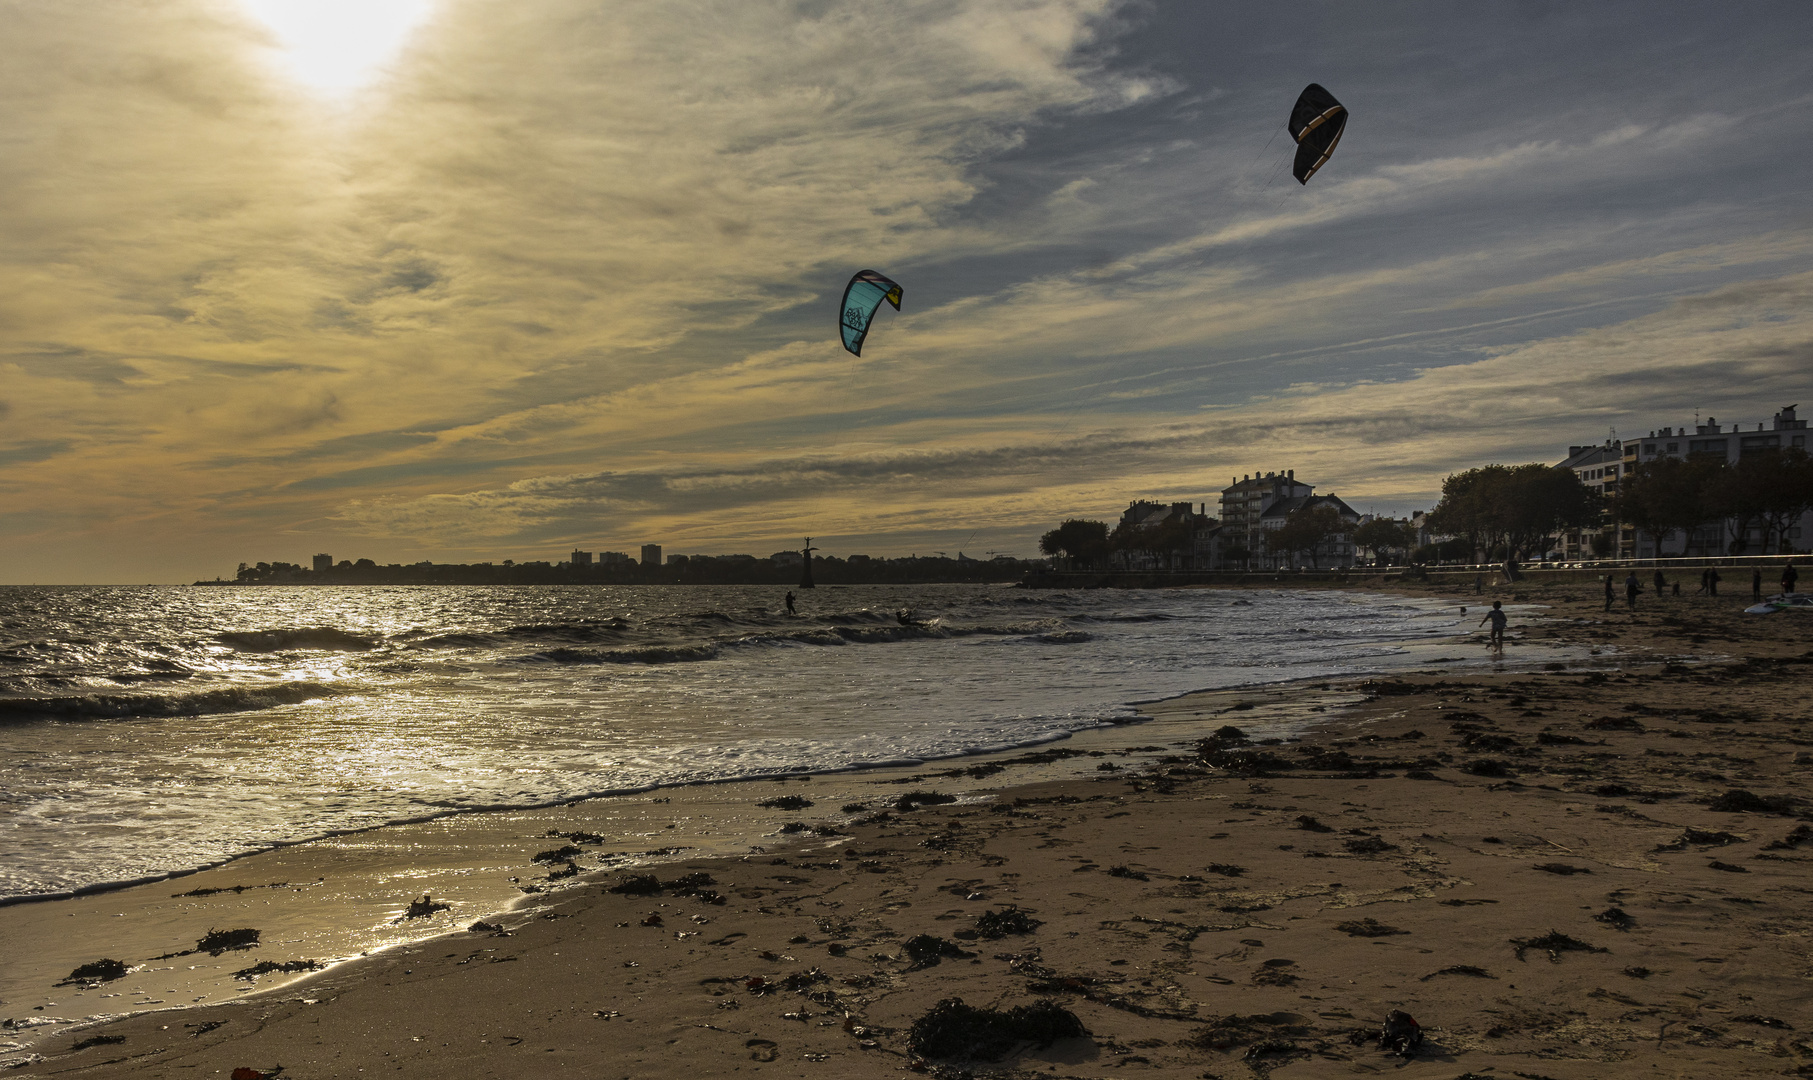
pixel 790 610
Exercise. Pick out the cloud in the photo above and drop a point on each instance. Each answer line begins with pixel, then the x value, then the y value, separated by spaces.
pixel 568 268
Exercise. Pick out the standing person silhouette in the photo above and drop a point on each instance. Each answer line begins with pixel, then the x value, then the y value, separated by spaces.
pixel 1712 580
pixel 1756 583
pixel 1661 583
pixel 1608 592
pixel 1498 618
pixel 790 610
pixel 1631 588
pixel 1790 576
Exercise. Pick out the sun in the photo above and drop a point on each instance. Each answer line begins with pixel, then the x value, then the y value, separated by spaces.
pixel 336 46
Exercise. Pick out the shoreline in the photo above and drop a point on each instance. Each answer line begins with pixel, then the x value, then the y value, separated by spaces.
pixel 1130 715
pixel 1168 798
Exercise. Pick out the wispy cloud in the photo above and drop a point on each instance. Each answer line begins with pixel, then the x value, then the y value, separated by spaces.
pixel 566 272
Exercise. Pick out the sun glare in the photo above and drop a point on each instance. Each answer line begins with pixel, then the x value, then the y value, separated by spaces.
pixel 335 46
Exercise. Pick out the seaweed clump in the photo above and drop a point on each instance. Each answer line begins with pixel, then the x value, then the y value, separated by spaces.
pixel 1368 928
pixel 913 800
pixel 999 924
pixel 99 971
pixel 786 802
pixel 1554 943
pixel 1739 801
pixel 952 1029
pixel 220 941
pixel 266 967
pixel 926 950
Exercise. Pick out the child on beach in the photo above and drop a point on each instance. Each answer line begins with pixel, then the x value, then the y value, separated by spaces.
pixel 1498 618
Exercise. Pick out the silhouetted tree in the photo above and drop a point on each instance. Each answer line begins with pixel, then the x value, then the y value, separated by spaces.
pixel 1077 539
pixel 1306 530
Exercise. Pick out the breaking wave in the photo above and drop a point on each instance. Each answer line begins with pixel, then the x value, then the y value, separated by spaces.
pixel 324 638
pixel 200 703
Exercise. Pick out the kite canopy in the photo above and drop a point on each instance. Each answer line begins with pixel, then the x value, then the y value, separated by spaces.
pixel 1316 123
pixel 862 298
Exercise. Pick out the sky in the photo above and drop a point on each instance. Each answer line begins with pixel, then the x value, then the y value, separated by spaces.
pixel 468 280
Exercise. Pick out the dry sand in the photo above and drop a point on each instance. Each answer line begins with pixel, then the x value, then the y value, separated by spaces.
pixel 1567 874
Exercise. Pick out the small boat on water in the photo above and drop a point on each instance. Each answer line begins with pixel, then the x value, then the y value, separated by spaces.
pixel 1793 601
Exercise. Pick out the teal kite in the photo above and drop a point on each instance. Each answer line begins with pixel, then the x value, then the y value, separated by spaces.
pixel 862 298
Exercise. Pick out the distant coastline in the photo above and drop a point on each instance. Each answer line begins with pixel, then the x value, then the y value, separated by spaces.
pixel 731 570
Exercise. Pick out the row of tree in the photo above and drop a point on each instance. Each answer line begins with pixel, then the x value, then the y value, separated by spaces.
pixel 1765 492
pixel 1516 512
pixel 1514 509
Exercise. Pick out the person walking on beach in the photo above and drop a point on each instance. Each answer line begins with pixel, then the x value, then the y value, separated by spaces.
pixel 790 610
pixel 1712 581
pixel 1789 577
pixel 1705 580
pixel 1608 592
pixel 1631 588
pixel 1497 617
pixel 1756 584
pixel 1661 583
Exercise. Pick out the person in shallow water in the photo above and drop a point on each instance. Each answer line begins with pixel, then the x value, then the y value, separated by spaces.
pixel 790 610
pixel 1608 592
pixel 1498 619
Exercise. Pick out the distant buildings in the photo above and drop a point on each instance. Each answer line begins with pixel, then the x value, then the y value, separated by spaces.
pixel 651 554
pixel 1602 467
pixel 581 558
pixel 323 562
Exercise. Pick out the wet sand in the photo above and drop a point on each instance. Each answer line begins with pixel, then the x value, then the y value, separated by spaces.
pixel 1590 871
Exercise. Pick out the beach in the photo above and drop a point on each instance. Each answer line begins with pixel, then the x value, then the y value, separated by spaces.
pixel 1586 861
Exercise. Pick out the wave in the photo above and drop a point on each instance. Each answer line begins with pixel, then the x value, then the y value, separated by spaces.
pixel 325 638
pixel 653 654
pixel 583 630
pixel 228 699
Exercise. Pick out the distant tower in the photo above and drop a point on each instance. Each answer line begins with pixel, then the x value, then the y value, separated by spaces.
pixel 651 554
pixel 805 578
pixel 323 562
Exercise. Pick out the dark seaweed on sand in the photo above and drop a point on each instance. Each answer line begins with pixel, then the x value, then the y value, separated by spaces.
pixel 219 941
pixel 999 924
pixel 1701 838
pixel 953 1030
pixel 1368 928
pixel 1229 1032
pixel 1554 943
pixel 1312 825
pixel 786 802
pixel 1491 767
pixel 98 971
pixel 98 1040
pixel 1738 801
pixel 266 967
pixel 1368 845
pixel 1126 872
pixel 421 909
pixel 1562 869
pixel 579 837
pixel 559 854
pixel 1616 918
pixel 1801 834
pixel 926 950
pixel 1460 969
pixel 637 885
pixel 913 800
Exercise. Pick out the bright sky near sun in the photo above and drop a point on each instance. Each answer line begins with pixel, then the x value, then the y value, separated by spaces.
pixel 484 279
pixel 338 45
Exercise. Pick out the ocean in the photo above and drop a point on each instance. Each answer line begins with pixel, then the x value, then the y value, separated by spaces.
pixel 152 731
